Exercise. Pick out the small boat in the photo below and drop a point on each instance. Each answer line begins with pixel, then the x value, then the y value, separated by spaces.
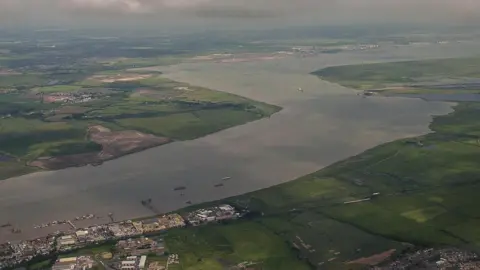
pixel 95 164
pixel 180 188
pixel 218 185
pixel 226 178
pixel 189 202
pixel 368 93
pixel 6 225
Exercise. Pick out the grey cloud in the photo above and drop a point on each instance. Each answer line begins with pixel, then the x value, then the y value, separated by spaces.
pixel 233 13
pixel 349 11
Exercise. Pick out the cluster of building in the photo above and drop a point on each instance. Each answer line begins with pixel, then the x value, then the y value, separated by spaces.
pixel 83 237
pixel 212 214
pixel 12 254
pixel 313 50
pixel 7 90
pixel 74 263
pixel 132 263
pixel 139 263
pixel 443 259
pixel 153 225
pixel 68 98
pixel 173 259
pixel 118 230
pixel 139 246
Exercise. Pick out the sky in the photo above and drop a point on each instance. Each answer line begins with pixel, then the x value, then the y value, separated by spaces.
pixel 238 12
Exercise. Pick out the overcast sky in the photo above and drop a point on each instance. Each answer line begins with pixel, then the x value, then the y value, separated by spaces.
pixel 58 12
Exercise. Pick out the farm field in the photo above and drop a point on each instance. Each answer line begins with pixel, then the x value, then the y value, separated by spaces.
pixel 220 246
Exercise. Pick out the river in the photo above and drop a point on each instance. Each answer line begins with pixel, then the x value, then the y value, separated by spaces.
pixel 322 125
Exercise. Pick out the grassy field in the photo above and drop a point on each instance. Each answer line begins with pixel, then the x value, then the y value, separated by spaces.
pixel 30 138
pixel 58 88
pixel 23 80
pixel 185 126
pixel 373 76
pixel 15 168
pixel 40 265
pixel 92 251
pixel 220 246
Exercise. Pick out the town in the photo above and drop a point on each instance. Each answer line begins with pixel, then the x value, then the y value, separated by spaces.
pixel 435 258
pixel 132 244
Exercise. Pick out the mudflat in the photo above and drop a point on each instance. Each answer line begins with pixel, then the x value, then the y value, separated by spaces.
pixel 114 144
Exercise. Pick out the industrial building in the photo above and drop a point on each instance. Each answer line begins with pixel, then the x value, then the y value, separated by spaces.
pixel 143 261
pixel 65 264
pixel 211 214
pixel 73 263
pixel 140 246
pixel 82 235
pixel 133 263
pixel 66 242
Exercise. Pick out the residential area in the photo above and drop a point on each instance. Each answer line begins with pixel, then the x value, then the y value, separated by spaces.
pixel 134 241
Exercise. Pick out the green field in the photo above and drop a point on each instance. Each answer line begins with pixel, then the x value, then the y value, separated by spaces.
pixel 222 246
pixel 40 265
pixel 185 126
pixel 58 88
pixel 28 139
pixel 376 76
pixel 428 191
pixel 23 80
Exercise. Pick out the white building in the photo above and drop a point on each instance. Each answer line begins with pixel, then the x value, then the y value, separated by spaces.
pixel 142 262
pixel 66 240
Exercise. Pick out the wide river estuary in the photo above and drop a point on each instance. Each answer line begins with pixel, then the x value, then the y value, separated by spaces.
pixel 322 125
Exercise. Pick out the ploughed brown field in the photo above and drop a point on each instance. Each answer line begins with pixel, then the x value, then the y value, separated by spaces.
pixel 120 78
pixel 114 144
pixel 374 259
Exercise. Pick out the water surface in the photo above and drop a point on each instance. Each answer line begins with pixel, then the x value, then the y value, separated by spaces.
pixel 464 97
